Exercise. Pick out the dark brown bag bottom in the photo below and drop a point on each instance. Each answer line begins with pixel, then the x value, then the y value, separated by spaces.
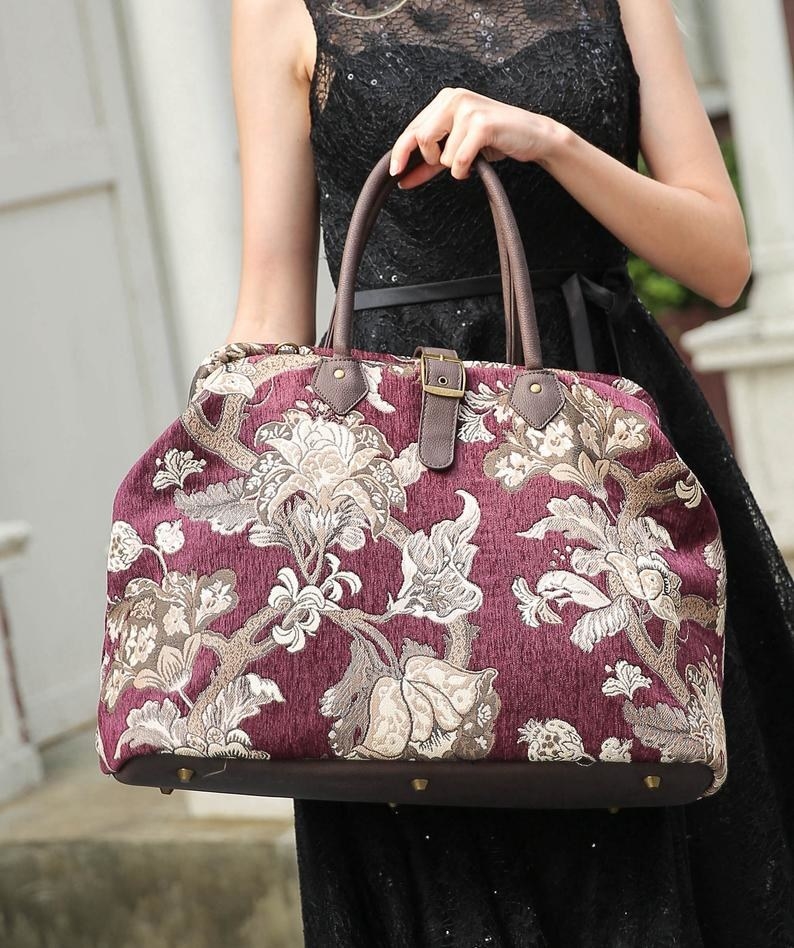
pixel 540 785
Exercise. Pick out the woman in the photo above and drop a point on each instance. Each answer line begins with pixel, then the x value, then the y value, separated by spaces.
pixel 561 96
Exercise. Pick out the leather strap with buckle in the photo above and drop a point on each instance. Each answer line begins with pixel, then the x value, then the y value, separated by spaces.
pixel 443 380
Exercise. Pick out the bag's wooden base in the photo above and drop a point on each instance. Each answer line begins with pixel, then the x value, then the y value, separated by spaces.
pixel 554 784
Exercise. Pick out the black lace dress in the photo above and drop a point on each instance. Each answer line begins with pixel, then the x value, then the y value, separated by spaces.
pixel 717 872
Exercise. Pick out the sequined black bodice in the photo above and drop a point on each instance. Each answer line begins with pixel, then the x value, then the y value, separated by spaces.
pixel 568 59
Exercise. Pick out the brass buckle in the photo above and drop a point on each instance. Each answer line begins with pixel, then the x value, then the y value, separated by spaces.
pixel 439 389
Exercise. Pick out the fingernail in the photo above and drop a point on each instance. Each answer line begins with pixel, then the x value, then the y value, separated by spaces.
pixel 393 166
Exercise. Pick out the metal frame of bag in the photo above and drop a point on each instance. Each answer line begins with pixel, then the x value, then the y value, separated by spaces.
pixel 687 758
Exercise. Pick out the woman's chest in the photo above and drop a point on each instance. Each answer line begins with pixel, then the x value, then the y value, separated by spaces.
pixel 371 77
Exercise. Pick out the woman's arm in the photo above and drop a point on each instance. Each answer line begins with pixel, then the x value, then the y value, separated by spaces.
pixel 280 207
pixel 686 219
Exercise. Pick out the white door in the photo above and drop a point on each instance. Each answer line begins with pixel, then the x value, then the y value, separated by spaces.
pixel 87 379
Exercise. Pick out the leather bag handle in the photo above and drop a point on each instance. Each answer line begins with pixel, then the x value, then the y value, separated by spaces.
pixel 516 286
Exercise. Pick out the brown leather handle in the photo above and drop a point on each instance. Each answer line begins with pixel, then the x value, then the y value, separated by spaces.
pixel 513 343
pixel 517 290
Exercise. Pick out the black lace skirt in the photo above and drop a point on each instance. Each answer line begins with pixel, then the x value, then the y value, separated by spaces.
pixel 716 872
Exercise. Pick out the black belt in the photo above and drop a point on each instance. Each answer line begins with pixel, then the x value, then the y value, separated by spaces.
pixel 577 286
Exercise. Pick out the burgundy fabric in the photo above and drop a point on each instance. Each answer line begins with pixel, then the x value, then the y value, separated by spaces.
pixel 472 661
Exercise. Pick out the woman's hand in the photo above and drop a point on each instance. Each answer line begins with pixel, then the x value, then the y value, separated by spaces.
pixel 471 123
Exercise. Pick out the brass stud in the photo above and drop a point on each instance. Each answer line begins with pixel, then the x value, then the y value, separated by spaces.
pixel 419 783
pixel 652 783
pixel 535 387
pixel 166 790
pixel 185 775
pixel 614 809
pixel 339 373
pixel 393 805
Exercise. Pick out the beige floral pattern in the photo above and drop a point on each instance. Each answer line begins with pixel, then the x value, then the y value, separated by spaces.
pixel 627 678
pixel 614 749
pixel 423 712
pixel 553 739
pixel 714 555
pixel 318 485
pixel 157 630
pixel 303 606
pixel 125 546
pixel 161 725
pixel 176 466
pixel 694 733
pixel 319 482
pixel 333 463
pixel 435 569
pixel 622 544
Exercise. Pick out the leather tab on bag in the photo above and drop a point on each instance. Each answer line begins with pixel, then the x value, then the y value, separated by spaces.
pixel 438 419
pixel 340 381
pixel 537 396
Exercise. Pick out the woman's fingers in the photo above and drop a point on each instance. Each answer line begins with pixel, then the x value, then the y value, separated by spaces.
pixel 456 137
pixel 427 135
pixel 432 123
pixel 418 176
pixel 450 132
pixel 423 136
pixel 475 138
pixel 403 145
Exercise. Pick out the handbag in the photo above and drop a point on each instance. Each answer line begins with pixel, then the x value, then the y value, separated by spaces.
pixel 354 575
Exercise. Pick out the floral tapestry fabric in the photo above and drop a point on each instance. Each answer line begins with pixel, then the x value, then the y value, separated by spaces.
pixel 287 582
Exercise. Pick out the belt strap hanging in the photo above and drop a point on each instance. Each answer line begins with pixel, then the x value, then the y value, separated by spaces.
pixel 577 286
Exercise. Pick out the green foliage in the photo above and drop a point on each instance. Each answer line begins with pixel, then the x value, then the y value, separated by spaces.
pixel 659 291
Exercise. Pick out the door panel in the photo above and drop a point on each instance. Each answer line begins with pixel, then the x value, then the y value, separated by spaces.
pixel 88 372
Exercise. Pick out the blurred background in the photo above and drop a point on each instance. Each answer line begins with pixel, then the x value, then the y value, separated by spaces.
pixel 119 264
